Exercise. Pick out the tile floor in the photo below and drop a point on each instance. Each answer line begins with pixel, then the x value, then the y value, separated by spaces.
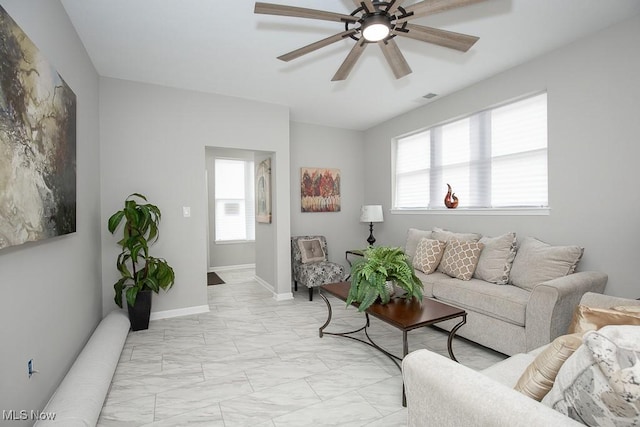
pixel 252 361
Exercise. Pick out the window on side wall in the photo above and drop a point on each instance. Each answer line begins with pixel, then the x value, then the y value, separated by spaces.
pixel 234 200
pixel 494 159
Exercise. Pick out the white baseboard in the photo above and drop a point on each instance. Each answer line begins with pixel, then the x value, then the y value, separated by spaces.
pixel 231 267
pixel 263 283
pixel 166 314
pixel 283 297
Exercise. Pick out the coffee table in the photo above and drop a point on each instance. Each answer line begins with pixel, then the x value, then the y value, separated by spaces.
pixel 400 313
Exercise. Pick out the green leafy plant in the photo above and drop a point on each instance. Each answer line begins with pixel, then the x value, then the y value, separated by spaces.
pixel 139 270
pixel 379 265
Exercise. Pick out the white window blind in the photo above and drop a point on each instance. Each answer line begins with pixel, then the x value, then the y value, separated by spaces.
pixel 234 199
pixel 493 159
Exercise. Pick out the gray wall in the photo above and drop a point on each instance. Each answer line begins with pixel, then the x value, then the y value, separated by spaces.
pixel 225 254
pixel 51 293
pixel 593 108
pixel 325 147
pixel 153 141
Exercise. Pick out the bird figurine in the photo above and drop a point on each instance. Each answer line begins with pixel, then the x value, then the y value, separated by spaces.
pixel 450 200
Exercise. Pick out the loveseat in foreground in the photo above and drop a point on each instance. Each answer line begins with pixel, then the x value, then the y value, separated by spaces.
pixel 441 392
pixel 519 293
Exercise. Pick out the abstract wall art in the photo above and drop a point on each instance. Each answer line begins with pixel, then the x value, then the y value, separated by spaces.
pixel 37 143
pixel 320 190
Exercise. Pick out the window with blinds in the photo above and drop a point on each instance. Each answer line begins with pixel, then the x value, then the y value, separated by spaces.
pixel 493 159
pixel 234 200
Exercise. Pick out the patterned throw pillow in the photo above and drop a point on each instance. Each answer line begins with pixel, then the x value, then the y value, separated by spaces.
pixel 311 250
pixel 460 259
pixel 428 255
pixel 599 385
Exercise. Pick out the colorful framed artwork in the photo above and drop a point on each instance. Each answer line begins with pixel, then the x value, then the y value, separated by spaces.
pixel 263 192
pixel 37 143
pixel 320 190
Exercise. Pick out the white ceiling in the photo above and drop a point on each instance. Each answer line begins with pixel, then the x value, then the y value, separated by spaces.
pixel 223 47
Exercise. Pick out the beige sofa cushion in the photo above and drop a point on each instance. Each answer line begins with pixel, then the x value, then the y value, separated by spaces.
pixel 460 259
pixel 507 303
pixel 428 255
pixel 600 383
pixel 413 238
pixel 538 378
pixel 496 258
pixel 445 235
pixel 537 262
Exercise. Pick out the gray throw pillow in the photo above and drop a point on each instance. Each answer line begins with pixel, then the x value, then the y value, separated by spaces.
pixel 496 258
pixel 446 235
pixel 413 238
pixel 537 262
pixel 311 250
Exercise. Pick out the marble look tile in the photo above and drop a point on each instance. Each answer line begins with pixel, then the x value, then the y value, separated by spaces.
pixel 396 419
pixel 346 379
pixel 131 412
pixel 285 371
pixel 208 416
pixel 345 411
pixel 197 396
pixel 381 395
pixel 269 403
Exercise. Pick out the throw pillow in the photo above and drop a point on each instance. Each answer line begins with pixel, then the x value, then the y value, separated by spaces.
pixel 537 262
pixel 591 318
pixel 311 250
pixel 460 259
pixel 600 383
pixel 428 255
pixel 413 238
pixel 538 378
pixel 496 258
pixel 445 235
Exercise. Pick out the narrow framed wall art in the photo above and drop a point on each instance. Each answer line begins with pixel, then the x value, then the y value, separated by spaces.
pixel 263 192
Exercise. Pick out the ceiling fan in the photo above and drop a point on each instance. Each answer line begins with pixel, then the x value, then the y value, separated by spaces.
pixel 377 22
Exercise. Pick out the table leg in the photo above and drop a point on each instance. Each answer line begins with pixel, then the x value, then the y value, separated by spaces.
pixel 451 335
pixel 405 351
pixel 326 301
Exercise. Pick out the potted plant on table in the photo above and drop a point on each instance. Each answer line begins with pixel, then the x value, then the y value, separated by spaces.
pixel 141 273
pixel 382 264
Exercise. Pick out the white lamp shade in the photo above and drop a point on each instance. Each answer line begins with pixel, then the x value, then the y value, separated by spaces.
pixel 371 213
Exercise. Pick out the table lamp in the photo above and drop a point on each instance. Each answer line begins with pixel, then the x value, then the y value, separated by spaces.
pixel 371 214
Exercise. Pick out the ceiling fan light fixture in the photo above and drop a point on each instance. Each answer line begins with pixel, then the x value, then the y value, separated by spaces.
pixel 376 28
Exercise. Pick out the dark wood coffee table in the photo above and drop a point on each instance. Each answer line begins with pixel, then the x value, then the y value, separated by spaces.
pixel 403 314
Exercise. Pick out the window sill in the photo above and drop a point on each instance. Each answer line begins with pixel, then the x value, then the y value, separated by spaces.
pixel 233 242
pixel 471 211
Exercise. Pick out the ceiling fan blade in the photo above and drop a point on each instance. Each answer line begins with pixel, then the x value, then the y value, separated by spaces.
pixel 395 58
pixel 301 12
pixel 315 46
pixel 429 7
pixel 350 61
pixel 394 7
pixel 457 41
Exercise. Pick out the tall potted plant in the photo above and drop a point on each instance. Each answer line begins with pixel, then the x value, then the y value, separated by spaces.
pixel 140 272
pixel 382 264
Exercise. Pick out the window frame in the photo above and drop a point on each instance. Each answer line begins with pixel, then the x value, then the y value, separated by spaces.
pixel 442 210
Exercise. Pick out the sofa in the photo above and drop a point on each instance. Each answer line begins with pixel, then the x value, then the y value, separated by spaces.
pixel 519 293
pixel 441 392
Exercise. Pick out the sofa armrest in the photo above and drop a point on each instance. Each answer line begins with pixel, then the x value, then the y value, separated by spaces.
pixel 552 303
pixel 441 392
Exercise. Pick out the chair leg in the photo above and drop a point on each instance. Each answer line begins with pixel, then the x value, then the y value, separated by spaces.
pixel 310 294
pixel 295 285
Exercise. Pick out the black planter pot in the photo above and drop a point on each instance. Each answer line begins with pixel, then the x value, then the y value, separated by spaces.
pixel 140 312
